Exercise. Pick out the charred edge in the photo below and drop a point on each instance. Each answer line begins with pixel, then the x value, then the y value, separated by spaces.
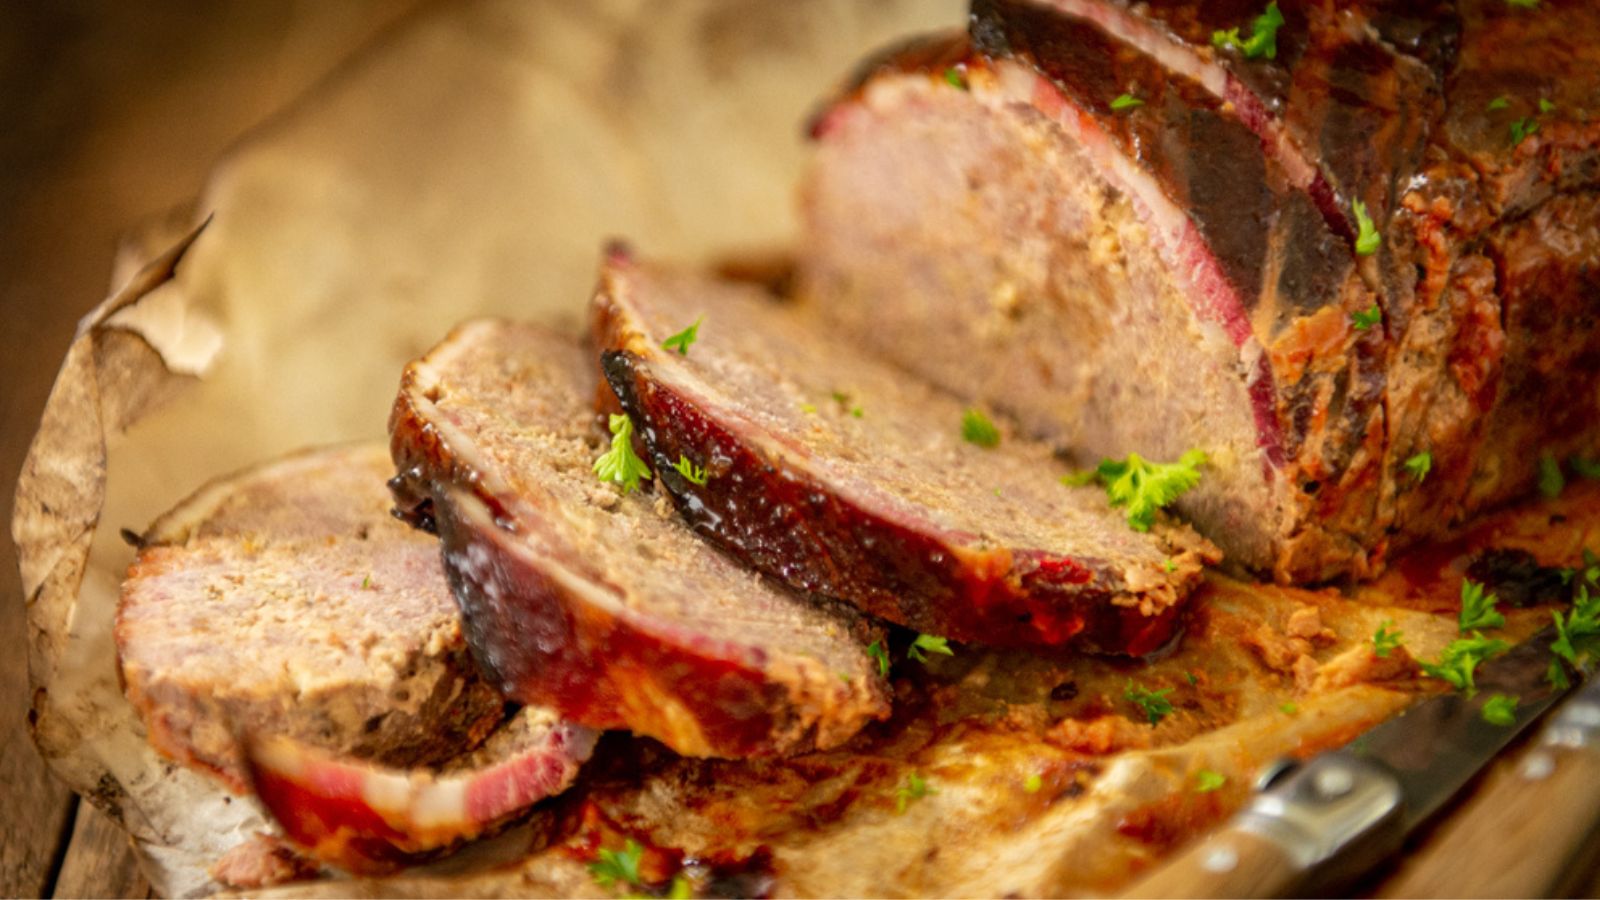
pixel 787 526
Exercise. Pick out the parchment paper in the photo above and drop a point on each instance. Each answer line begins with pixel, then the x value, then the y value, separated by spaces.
pixel 471 163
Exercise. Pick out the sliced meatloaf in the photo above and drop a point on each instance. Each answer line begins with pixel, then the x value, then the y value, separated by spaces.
pixel 1088 213
pixel 286 600
pixel 369 819
pixel 839 474
pixel 600 603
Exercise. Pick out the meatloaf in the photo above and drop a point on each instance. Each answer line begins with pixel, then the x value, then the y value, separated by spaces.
pixel 1359 271
pixel 818 465
pixel 286 600
pixel 595 601
pixel 368 819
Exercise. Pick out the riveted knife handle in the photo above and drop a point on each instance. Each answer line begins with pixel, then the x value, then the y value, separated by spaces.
pixel 1517 837
pixel 1229 863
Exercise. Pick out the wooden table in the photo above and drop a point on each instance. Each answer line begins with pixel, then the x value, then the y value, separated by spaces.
pixel 114 113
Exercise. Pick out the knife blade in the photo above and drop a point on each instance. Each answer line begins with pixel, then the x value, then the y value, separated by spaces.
pixel 1319 825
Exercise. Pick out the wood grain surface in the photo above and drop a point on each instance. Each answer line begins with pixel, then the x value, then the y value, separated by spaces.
pixel 114 113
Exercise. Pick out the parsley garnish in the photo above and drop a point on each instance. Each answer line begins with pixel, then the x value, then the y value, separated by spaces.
pixel 977 429
pixel 1207 780
pixel 1587 468
pixel 616 867
pixel 366 583
pixel 954 78
pixel 1169 565
pixel 681 889
pixel 1126 101
pixel 876 651
pixel 1367 237
pixel 1154 704
pixel 1499 710
pixel 1461 658
pixel 1034 783
pixel 1545 106
pixel 620 464
pixel 1143 486
pixel 1500 102
pixel 1189 677
pixel 808 408
pixel 693 473
pixel 1420 465
pixel 1551 481
pixel 1362 319
pixel 915 788
pixel 1385 641
pixel 1522 129
pixel 1577 632
pixel 1523 4
pixel 927 643
pixel 1477 609
pixel 843 399
pixel 1263 40
pixel 1289 707
pixel 681 341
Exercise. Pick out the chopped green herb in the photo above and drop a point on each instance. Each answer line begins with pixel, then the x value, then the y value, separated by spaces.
pixel 1126 101
pixel 1207 780
pixel 915 788
pixel 1557 675
pixel 845 677
pixel 1154 704
pixel 857 411
pixel 809 409
pixel 954 78
pixel 927 643
pixel 620 464
pixel 1522 129
pixel 692 473
pixel 681 889
pixel 1584 467
pixel 1385 641
pixel 1545 106
pixel 877 652
pixel 1169 565
pixel 1189 677
pixel 1551 481
pixel 366 583
pixel 1362 319
pixel 1477 609
pixel 1460 660
pixel 1578 632
pixel 1367 237
pixel 1034 783
pixel 618 867
pixel 1420 465
pixel 977 429
pixel 1523 4
pixel 1144 487
pixel 1500 102
pixel 1289 708
pixel 681 341
pixel 1500 710
pixel 1263 40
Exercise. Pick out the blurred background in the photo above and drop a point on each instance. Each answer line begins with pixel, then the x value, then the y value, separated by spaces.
pixel 113 113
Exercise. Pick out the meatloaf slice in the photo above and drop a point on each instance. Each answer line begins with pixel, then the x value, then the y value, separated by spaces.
pixel 370 819
pixel 597 603
pixel 841 475
pixel 286 600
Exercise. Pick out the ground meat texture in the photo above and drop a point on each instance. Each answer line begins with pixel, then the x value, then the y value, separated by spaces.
pixel 287 600
pixel 840 474
pixel 590 602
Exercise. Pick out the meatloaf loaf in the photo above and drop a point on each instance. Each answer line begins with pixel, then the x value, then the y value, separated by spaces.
pixel 287 601
pixel 838 474
pixel 596 601
pixel 1359 270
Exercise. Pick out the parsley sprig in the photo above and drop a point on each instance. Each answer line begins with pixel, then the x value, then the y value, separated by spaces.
pixel 692 473
pixel 1154 704
pixel 618 867
pixel 1578 632
pixel 1362 319
pixel 1499 709
pixel 880 655
pixel 915 788
pixel 1461 658
pixel 1419 465
pixel 681 341
pixel 977 429
pixel 1367 237
pixel 1551 481
pixel 1208 780
pixel 1385 640
pixel 1584 467
pixel 1125 101
pixel 1477 608
pixel 927 643
pixel 620 464
pixel 1263 40
pixel 1143 486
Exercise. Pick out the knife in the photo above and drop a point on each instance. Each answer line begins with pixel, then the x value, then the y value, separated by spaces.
pixel 1524 833
pixel 1317 826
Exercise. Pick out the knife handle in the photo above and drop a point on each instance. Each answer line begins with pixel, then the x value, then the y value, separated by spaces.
pixel 1517 837
pixel 1230 863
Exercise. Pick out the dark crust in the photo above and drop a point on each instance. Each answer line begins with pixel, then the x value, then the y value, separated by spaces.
pixel 543 643
pixel 786 523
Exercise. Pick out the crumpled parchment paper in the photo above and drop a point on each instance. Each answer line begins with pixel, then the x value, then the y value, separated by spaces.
pixel 471 163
